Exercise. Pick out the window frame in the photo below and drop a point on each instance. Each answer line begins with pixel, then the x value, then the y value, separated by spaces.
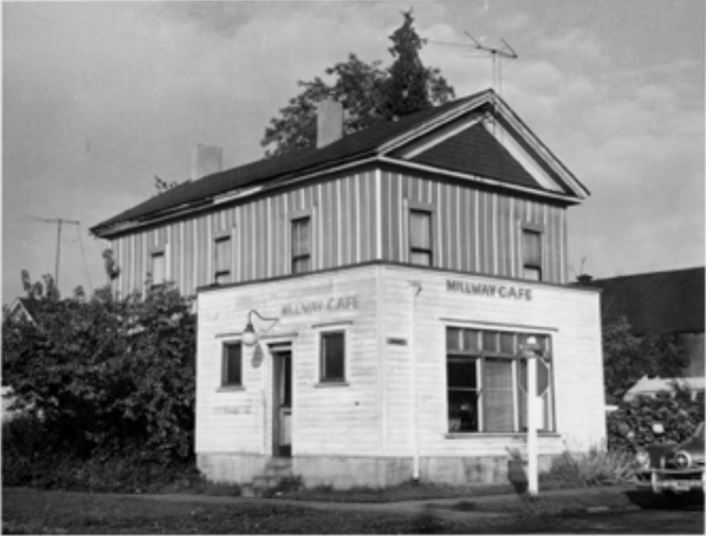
pixel 158 252
pixel 225 383
pixel 527 229
pixel 322 379
pixel 479 355
pixel 220 238
pixel 296 257
pixel 412 248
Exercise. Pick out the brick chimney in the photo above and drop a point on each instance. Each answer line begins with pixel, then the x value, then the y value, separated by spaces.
pixel 206 159
pixel 329 122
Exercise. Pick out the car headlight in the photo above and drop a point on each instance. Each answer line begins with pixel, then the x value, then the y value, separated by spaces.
pixel 642 459
pixel 682 459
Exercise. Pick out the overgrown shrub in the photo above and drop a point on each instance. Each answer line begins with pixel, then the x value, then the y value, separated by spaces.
pixel 679 412
pixel 596 468
pixel 106 378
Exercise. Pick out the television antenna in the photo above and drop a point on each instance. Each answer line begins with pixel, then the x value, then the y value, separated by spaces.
pixel 497 55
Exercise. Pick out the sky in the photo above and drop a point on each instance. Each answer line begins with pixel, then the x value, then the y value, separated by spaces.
pixel 99 97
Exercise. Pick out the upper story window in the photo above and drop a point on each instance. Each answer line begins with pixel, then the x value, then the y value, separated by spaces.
pixel 301 245
pixel 531 255
pixel 420 245
pixel 222 252
pixel 158 269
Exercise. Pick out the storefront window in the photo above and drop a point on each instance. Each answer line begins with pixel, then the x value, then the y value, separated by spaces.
pixel 486 381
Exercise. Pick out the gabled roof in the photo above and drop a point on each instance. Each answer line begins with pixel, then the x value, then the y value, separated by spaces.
pixel 24 309
pixel 660 302
pixel 381 139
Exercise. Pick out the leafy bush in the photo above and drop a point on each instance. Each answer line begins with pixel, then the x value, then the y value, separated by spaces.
pixel 106 378
pixel 596 468
pixel 679 412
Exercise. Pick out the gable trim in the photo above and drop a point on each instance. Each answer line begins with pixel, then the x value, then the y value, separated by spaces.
pixel 569 199
pixel 424 145
pixel 500 108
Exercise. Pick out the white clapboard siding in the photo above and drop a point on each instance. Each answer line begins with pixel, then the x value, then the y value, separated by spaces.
pixel 376 412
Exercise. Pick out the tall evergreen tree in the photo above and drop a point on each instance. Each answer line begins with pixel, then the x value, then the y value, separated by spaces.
pixel 367 92
pixel 406 89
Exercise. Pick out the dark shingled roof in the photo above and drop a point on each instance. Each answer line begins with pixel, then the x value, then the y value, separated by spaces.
pixel 354 146
pixel 487 158
pixel 662 302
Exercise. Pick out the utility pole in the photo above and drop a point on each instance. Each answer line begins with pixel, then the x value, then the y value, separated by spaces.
pixel 59 222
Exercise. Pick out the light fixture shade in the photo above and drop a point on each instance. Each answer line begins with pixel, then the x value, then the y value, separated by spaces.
pixel 248 337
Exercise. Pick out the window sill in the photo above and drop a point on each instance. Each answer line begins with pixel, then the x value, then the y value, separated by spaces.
pixel 482 435
pixel 331 384
pixel 230 388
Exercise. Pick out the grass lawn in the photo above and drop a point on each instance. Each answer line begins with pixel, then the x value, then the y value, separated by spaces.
pixel 35 511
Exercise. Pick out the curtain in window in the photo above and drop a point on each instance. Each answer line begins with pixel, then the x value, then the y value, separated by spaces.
pixel 420 229
pixel 531 248
pixel 497 395
pixel 222 255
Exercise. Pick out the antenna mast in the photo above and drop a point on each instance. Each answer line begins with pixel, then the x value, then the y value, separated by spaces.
pixel 496 56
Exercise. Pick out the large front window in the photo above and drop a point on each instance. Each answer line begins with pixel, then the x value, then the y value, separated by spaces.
pixel 487 380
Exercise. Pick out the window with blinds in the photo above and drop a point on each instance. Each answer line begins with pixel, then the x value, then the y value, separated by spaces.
pixel 301 245
pixel 487 381
pixel 531 255
pixel 420 243
pixel 222 252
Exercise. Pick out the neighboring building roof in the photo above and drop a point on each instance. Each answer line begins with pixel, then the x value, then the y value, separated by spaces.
pixel 490 160
pixel 661 302
pixel 650 386
pixel 23 308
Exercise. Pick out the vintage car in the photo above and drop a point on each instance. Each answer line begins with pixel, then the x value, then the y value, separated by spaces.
pixel 673 467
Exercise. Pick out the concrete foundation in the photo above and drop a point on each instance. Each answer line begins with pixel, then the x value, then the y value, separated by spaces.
pixel 344 472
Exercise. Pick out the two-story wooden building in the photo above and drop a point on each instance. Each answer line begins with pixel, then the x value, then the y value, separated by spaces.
pixel 399 270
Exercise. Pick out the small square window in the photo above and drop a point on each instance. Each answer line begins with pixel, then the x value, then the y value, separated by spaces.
pixel 232 364
pixel 333 356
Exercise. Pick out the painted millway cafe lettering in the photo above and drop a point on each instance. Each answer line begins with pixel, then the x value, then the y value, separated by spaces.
pixel 336 303
pixel 491 290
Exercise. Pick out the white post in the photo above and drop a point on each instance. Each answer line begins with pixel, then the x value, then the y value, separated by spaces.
pixel 532 447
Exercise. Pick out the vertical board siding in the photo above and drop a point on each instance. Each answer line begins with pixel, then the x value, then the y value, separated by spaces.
pixel 343 230
pixel 474 231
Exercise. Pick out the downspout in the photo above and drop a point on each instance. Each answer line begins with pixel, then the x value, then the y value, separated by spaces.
pixel 416 290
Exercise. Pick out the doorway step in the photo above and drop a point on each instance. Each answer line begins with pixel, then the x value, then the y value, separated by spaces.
pixel 276 471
